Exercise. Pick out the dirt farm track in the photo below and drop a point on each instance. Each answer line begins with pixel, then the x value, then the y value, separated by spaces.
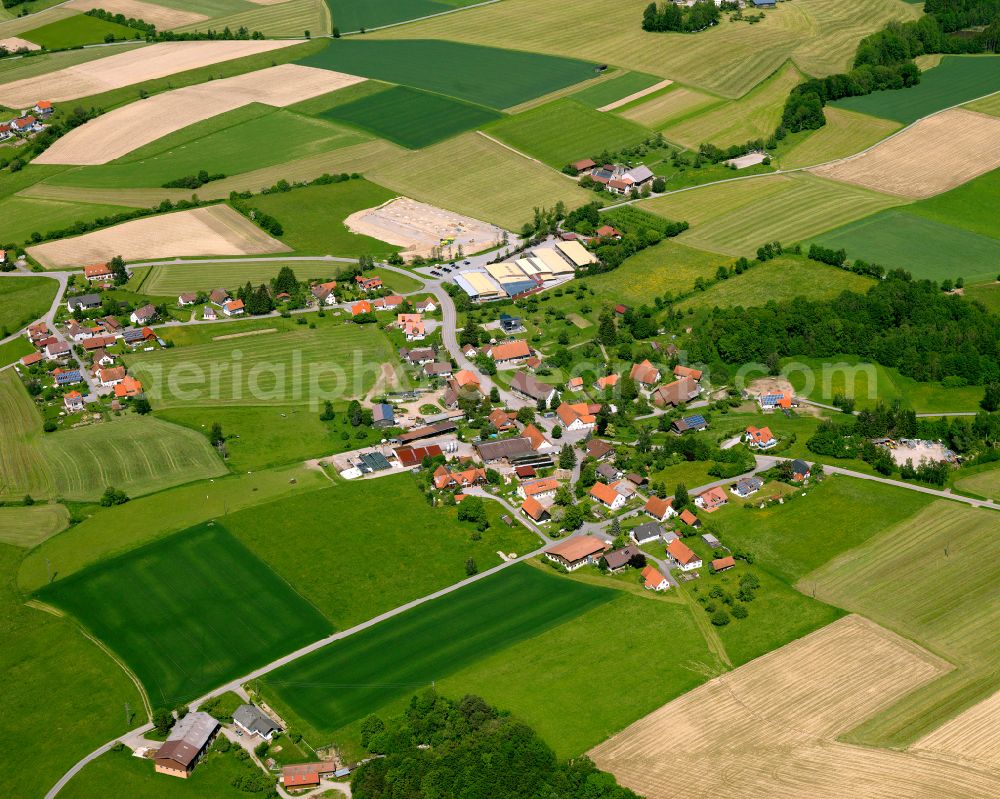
pixel 769 728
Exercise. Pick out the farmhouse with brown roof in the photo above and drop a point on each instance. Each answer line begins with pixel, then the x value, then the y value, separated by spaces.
pixel 577 551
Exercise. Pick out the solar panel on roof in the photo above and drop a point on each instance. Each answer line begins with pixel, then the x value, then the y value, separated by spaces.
pixel 694 421
pixel 374 461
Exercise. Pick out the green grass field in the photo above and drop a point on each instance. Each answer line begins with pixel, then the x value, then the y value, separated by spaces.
pixel 28 526
pixel 986 293
pixel 985 483
pixel 956 80
pixel 24 216
pixel 353 563
pixel 410 117
pixel 232 143
pixel 668 105
pixel 23 469
pixel 172 280
pixel 779 280
pixel 737 217
pixel 313 217
pixel 752 116
pixel 78 30
pixel 300 367
pixel 617 88
pixel 468 72
pixel 931 578
pixel 969 206
pixel 988 105
pixel 899 239
pixel 14 349
pixel 59 681
pixel 342 683
pixel 845 133
pixel 189 612
pixel 23 300
pixel 293 18
pixel 350 17
pixel 566 130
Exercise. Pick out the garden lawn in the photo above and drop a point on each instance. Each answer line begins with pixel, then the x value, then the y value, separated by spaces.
pixel 23 216
pixel 956 80
pixel 469 72
pixel 190 612
pixel 567 130
pixel 691 473
pixel 617 88
pixel 410 117
pixel 14 349
pixel 29 525
pixel 302 367
pixel 78 30
pixel 23 300
pixel 252 137
pixel 350 17
pixel 779 280
pixel 68 694
pixel 342 683
pixel 313 217
pixel 845 133
pixel 932 578
pixel 924 247
pixel 360 548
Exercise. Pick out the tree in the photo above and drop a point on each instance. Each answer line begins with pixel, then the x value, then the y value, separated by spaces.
pixel 473 510
pixel 163 720
pixel 526 415
pixel 216 436
pixel 28 500
pixel 471 334
pixel 681 498
pixel 112 496
pixel 141 406
pixel 370 727
pixel 607 333
pixel 354 413
pixel 470 566
pixel 567 458
pixel 557 432
pixel 118 270
pixel 720 618
pixel 991 397
pixel 573 517
pixel 327 414
pixel 285 281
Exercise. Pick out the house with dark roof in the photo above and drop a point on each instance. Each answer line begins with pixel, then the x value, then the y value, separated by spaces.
pixel 598 449
pixel 689 424
pixel 644 533
pixel 676 393
pixel 618 559
pixel 747 486
pixel 84 302
pixel 382 415
pixel 254 721
pixel 800 470
pixel 529 386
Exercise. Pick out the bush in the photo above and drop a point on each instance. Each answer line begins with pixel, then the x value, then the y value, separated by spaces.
pixel 739 611
pixel 720 618
pixel 50 426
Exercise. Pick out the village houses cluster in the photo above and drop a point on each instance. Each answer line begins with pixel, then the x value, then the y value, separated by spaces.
pixel 27 123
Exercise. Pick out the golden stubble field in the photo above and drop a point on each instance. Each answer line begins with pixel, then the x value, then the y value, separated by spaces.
pixel 769 728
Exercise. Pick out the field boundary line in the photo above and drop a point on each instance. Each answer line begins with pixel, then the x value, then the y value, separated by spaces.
pixel 704 626
pixel 418 19
pixel 523 154
pixel 663 84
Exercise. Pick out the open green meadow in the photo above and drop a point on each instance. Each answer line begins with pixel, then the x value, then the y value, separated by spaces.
pixel 23 469
pixel 469 72
pixel 342 683
pixel 23 216
pixel 985 483
pixel 956 80
pixel 189 613
pixel 971 206
pixel 313 217
pixel 76 31
pixel 668 105
pixel 931 578
pixel 410 117
pixel 986 293
pixel 752 116
pixel 350 17
pixel 820 37
pixel 317 106
pixel 821 379
pixel 472 175
pixel 14 349
pixel 845 133
pixel 566 130
pixel 737 217
pixel 988 105
pixel 291 18
pixel 360 548
pixel 336 360
pixel 29 525
pixel 24 299
pixel 232 143
pixel 68 694
pixel 778 281
pixel 617 88
pixel 927 249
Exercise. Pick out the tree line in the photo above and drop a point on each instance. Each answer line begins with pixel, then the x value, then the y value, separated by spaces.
pixel 669 16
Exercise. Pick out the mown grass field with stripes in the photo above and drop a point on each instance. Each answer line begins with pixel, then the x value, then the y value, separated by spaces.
pixel 932 579
pixel 23 469
pixel 336 360
pixel 292 18
pixel 609 91
pixel 28 525
pixel 175 279
pixel 668 105
pixel 737 217
pixel 731 58
pixel 845 133
pixel 189 612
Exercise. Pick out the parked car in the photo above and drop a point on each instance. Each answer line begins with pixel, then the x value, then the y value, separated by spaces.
pixel 466 262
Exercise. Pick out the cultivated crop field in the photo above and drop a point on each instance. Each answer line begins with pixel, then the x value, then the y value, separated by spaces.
pixel 399 656
pixel 29 525
pixel 566 130
pixel 212 230
pixel 676 101
pixel 724 216
pixel 351 17
pixel 883 579
pixel 21 68
pixel 24 299
pixel 957 79
pixel 300 367
pixel 411 117
pixel 969 206
pixel 616 89
pixel 776 719
pixel 972 735
pixel 845 133
pixel 923 247
pixel 141 605
pixel 731 58
pixel 468 72
pixel 283 18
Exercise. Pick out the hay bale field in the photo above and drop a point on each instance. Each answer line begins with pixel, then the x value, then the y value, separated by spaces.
pixel 163 17
pixel 214 230
pixel 129 68
pixel 731 58
pixel 29 525
pixel 934 155
pixel 769 727
pixel 845 133
pixel 737 217
pixel 125 129
pixel 496 185
pixel 678 101
pixel 18 25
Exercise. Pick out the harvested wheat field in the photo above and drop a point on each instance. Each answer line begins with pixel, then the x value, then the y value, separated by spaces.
pixel 973 735
pixel 12 44
pixel 126 69
pixel 114 134
pixel 932 156
pixel 215 230
pixel 419 227
pixel 162 17
pixel 769 727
